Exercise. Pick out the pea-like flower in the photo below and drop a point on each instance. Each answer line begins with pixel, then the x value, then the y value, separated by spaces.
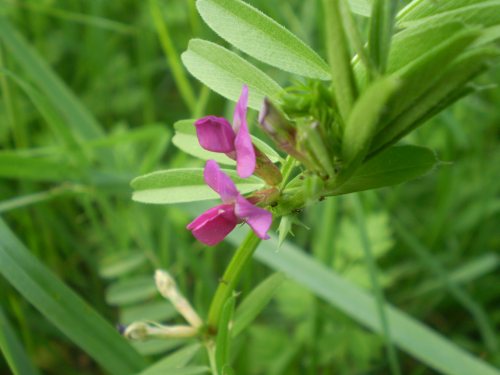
pixel 217 135
pixel 212 226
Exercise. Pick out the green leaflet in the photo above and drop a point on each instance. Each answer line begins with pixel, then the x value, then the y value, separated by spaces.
pixel 449 88
pixel 66 310
pixel 225 72
pixel 256 34
pixel 425 8
pixel 172 362
pixel 421 39
pixel 381 29
pixel 138 289
pixel 391 167
pixel 420 75
pixel 486 13
pixel 183 185
pixel 339 57
pixel 364 119
pixel 255 302
pixel 186 140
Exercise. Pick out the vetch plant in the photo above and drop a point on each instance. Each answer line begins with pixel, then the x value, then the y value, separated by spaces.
pixel 338 127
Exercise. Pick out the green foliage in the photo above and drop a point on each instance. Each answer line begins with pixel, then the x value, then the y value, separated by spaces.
pixel 88 104
pixel 183 185
pixel 261 37
pixel 225 72
pixel 63 308
pixel 391 167
pixel 13 351
pixel 255 302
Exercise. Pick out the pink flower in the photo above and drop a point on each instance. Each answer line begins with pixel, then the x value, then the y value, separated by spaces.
pixel 212 226
pixel 217 135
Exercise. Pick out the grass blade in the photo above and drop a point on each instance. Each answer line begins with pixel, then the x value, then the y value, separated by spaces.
pixel 172 56
pixel 67 311
pixel 77 117
pixel 408 334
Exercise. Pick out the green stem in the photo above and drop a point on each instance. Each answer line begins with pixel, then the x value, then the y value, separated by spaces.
pixel 172 57
pixel 377 289
pixel 210 346
pixel 231 276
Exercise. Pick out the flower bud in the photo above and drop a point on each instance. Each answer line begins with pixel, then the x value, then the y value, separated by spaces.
pixel 282 132
pixel 266 169
pixel 168 288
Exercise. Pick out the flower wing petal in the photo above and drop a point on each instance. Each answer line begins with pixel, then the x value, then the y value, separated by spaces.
pixel 240 111
pixel 212 226
pixel 215 134
pixel 260 220
pixel 220 182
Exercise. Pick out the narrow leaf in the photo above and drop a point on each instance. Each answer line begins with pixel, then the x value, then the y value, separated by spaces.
pixel 449 88
pixel 225 72
pixel 67 311
pixel 391 167
pixel 12 350
pixel 191 370
pixel 364 120
pixel 381 29
pixel 129 291
pixel 156 310
pixel 425 71
pixel 421 39
pixel 115 265
pixel 425 8
pixel 408 334
pixel 486 13
pixel 223 339
pixel 173 362
pixel 261 37
pixel 255 302
pixel 183 185
pixel 15 165
pixel 77 117
pixel 339 58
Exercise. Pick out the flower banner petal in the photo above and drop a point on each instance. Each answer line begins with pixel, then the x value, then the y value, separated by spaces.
pixel 215 134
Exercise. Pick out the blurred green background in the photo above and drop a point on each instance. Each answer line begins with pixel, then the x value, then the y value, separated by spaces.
pixel 88 101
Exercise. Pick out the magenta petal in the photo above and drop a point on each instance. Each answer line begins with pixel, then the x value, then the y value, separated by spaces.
pixel 245 153
pixel 212 226
pixel 215 134
pixel 260 220
pixel 220 182
pixel 240 111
